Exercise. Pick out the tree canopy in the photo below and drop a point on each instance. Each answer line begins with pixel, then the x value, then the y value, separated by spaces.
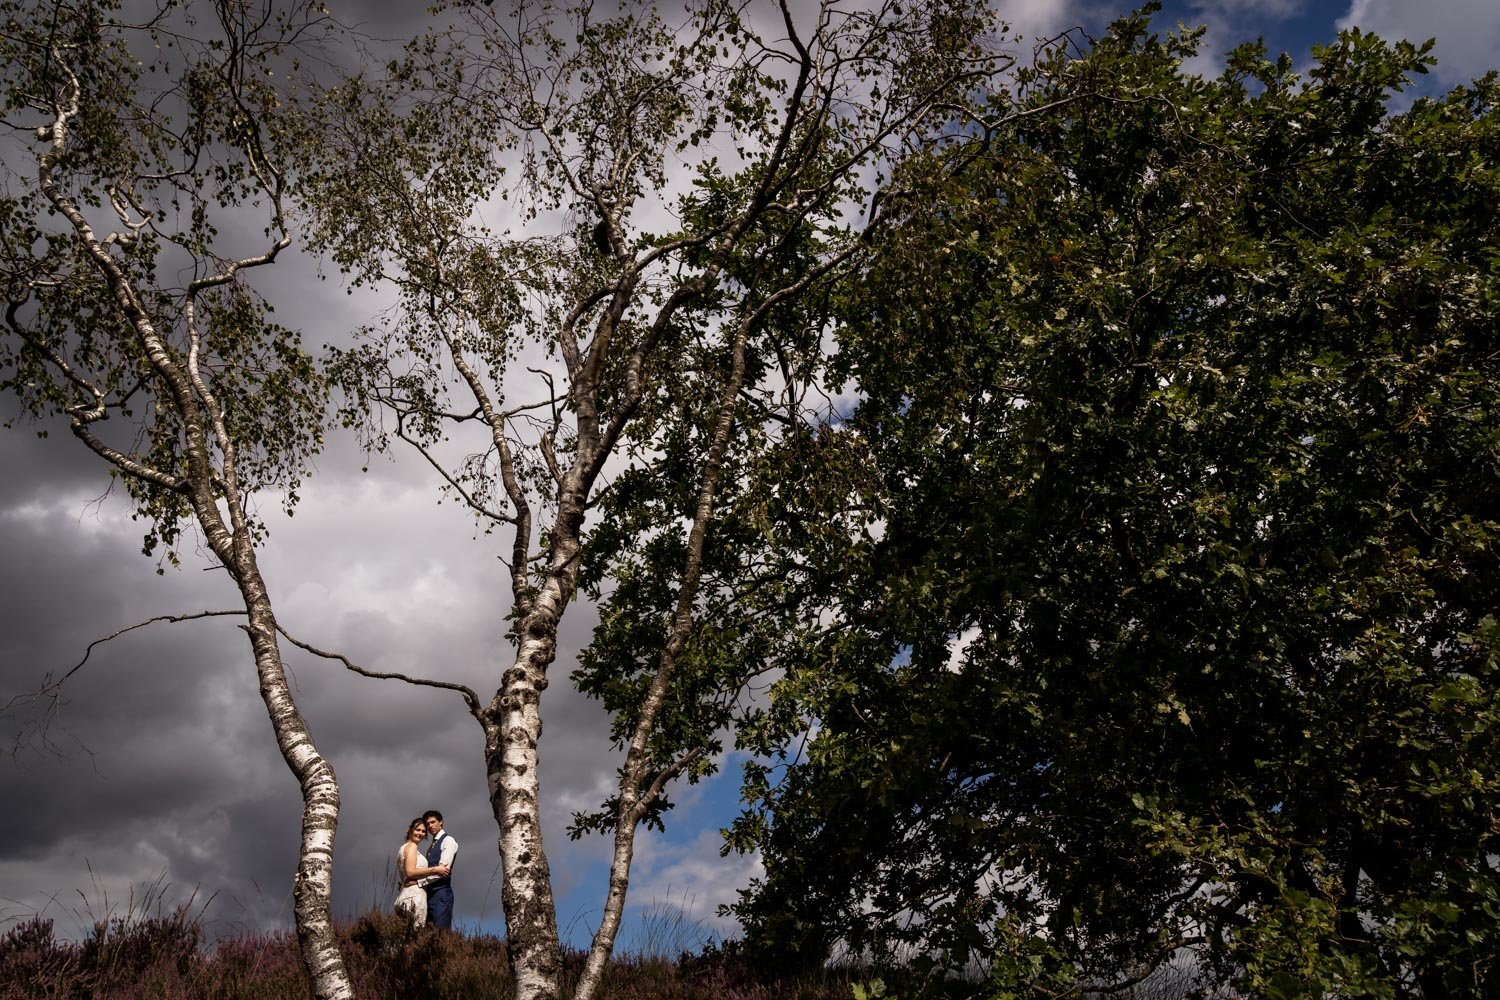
pixel 1157 624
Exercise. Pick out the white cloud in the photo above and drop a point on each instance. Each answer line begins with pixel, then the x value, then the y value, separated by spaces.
pixel 1041 18
pixel 1467 31
pixel 958 648
pixel 682 885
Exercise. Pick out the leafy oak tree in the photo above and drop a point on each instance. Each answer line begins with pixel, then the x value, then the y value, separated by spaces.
pixel 129 144
pixel 680 186
pixel 1142 609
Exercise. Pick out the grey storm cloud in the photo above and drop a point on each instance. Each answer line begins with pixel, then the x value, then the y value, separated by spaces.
pixel 167 767
pixel 163 766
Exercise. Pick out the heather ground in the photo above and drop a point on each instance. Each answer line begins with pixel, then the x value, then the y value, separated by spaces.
pixel 166 956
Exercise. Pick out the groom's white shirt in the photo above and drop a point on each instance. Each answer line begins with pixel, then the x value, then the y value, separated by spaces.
pixel 447 851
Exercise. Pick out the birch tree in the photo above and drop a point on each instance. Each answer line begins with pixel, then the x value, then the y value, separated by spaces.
pixel 134 152
pixel 676 189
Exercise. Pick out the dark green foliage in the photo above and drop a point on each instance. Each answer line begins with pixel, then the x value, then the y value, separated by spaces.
pixel 1179 407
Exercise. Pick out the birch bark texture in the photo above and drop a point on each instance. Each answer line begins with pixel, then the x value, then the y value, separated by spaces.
pixel 590 218
pixel 140 135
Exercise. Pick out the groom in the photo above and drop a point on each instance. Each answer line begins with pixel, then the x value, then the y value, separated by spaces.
pixel 441 851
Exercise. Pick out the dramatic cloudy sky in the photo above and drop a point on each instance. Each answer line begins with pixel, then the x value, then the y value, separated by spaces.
pixel 171 775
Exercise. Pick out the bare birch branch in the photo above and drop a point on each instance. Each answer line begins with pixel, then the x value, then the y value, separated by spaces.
pixel 470 698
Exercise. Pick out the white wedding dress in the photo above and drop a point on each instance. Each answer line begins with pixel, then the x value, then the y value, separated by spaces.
pixel 411 902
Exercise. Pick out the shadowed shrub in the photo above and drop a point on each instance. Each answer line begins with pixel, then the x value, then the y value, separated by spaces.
pixel 32 963
pixel 133 949
pixel 388 959
pixel 265 965
pixel 165 957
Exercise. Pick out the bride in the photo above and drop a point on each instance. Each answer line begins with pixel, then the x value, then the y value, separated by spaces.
pixel 411 872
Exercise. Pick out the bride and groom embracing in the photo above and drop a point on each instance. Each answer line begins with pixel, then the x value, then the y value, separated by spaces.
pixel 426 890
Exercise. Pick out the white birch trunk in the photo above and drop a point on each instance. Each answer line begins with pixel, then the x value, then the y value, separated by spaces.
pixel 232 544
pixel 513 728
pixel 312 887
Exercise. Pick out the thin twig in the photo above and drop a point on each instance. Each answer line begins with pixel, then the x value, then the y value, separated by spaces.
pixel 51 690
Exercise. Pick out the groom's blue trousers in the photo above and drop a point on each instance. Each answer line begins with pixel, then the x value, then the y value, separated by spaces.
pixel 440 906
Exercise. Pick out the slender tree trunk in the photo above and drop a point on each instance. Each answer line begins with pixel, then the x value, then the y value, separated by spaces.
pixel 634 800
pixel 603 944
pixel 312 888
pixel 513 727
